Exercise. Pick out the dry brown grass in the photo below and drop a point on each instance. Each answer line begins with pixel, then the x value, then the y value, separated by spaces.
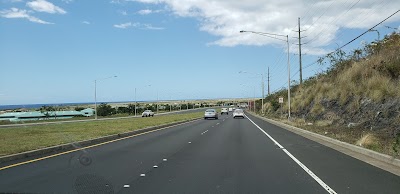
pixel 373 79
pixel 364 79
pixel 317 109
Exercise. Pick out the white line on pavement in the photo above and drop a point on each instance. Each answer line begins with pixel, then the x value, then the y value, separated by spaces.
pixel 304 167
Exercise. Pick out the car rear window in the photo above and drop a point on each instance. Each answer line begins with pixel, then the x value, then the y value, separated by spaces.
pixel 210 110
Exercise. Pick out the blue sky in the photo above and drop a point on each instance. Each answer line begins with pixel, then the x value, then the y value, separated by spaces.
pixel 52 51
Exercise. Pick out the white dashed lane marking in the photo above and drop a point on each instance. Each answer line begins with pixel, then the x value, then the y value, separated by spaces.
pixel 204 132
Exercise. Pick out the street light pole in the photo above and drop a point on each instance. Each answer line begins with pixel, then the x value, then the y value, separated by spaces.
pixel 95 99
pixel 271 35
pixel 254 100
pixel 170 102
pixel 379 35
pixel 262 90
pixel 262 98
pixel 157 101
pixel 135 102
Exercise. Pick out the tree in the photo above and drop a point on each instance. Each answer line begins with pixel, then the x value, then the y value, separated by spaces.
pixel 105 110
pixel 46 109
pixel 131 108
pixel 122 110
pixel 79 108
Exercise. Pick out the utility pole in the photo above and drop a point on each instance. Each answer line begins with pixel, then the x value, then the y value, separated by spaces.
pixel 262 98
pixel 268 82
pixel 301 69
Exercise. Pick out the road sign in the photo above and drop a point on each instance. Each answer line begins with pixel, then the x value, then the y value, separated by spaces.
pixel 280 100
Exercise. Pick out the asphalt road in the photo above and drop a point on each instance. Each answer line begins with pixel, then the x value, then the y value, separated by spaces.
pixel 205 156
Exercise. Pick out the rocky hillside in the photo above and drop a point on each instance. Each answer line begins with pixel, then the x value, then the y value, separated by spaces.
pixel 356 100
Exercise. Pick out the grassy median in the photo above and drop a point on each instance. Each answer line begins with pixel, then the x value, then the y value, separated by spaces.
pixel 20 139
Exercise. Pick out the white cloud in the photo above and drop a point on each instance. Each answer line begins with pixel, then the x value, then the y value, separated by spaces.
pixel 20 13
pixel 148 11
pixel 67 1
pixel 124 25
pixel 144 11
pixel 150 27
pixel 323 19
pixel 85 22
pixel 45 6
pixel 137 25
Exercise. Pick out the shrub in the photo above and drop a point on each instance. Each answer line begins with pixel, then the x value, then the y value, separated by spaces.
pixel 105 110
pixel 79 108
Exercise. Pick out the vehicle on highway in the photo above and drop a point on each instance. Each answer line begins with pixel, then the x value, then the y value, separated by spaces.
pixel 211 113
pixel 230 109
pixel 224 111
pixel 238 113
pixel 148 113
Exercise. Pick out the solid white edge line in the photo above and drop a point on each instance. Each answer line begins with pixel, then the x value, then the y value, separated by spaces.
pixel 304 167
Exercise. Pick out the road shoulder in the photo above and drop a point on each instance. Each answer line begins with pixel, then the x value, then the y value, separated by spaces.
pixel 376 159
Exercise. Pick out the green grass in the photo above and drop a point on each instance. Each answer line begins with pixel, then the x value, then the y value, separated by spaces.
pixel 20 139
pixel 6 122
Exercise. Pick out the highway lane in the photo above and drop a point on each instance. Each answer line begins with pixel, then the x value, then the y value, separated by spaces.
pixel 206 156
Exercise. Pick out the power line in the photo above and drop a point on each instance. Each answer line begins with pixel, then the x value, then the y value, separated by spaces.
pixel 320 15
pixel 341 46
pixel 368 15
pixel 365 32
pixel 307 66
pixel 333 21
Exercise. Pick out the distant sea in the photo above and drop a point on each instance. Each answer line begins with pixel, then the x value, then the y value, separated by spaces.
pixel 35 106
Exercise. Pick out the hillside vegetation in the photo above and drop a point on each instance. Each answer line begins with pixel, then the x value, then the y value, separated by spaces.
pixel 356 100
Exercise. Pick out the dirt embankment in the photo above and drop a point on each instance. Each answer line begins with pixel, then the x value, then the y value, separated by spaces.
pixel 357 100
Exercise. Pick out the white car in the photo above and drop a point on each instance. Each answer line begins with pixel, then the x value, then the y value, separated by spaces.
pixel 224 111
pixel 211 113
pixel 230 109
pixel 148 113
pixel 238 113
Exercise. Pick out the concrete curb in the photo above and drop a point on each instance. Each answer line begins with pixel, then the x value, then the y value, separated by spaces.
pixel 377 159
pixel 82 144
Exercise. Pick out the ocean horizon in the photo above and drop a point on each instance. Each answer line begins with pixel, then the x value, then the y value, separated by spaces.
pixel 30 106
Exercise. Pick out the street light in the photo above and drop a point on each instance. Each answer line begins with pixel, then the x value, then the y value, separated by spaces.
pixel 274 36
pixel 95 93
pixel 254 96
pixel 136 100
pixel 379 35
pixel 262 89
